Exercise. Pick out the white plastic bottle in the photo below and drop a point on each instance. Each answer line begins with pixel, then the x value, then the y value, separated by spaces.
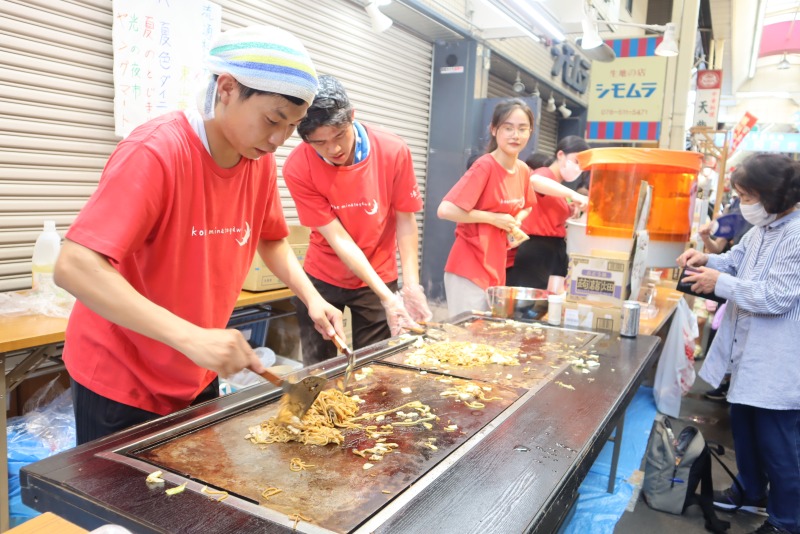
pixel 45 254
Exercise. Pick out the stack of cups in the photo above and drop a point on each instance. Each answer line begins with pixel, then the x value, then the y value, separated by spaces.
pixel 555 300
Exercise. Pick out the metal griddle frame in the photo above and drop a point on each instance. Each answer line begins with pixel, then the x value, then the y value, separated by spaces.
pixel 330 369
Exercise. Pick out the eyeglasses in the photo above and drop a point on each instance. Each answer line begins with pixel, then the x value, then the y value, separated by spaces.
pixel 508 129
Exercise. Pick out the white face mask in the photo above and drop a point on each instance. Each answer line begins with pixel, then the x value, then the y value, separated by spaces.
pixel 570 171
pixel 756 215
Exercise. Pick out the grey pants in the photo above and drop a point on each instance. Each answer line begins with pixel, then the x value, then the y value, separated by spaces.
pixel 463 295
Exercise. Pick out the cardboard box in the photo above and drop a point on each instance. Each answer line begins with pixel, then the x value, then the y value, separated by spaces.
pixel 602 276
pixel 260 278
pixel 594 315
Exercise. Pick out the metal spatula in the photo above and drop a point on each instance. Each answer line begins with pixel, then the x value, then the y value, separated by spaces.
pixel 440 331
pixel 351 359
pixel 298 395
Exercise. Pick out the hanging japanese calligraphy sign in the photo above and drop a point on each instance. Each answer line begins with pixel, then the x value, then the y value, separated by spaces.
pixel 706 104
pixel 159 48
pixel 626 96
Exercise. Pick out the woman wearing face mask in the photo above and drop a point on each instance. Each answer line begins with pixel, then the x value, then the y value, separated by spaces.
pixel 545 253
pixel 759 339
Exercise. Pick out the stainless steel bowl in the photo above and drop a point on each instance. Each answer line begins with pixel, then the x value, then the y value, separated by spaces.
pixel 517 302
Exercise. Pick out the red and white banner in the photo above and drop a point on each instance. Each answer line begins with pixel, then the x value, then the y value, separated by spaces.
pixel 740 131
pixel 706 104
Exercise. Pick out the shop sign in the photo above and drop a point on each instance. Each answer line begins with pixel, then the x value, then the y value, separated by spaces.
pixel 572 67
pixel 706 105
pixel 159 48
pixel 786 143
pixel 626 96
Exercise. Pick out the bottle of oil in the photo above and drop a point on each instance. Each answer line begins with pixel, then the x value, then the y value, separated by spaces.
pixel 45 253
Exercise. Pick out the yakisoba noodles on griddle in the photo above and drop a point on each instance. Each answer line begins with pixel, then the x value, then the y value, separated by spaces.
pixel 460 353
pixel 331 411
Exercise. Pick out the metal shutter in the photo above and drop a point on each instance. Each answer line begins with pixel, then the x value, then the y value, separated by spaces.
pixel 548 122
pixel 57 127
pixel 548 131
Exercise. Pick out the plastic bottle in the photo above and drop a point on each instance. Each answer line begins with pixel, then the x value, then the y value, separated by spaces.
pixel 45 253
pixel 555 304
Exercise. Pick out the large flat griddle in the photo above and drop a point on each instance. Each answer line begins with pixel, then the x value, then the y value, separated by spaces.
pixel 336 494
pixel 543 351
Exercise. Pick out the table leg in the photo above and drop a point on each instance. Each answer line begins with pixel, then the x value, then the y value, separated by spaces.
pixel 617 439
pixel 5 523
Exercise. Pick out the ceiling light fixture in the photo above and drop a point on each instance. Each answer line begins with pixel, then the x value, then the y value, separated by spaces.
pixel 380 22
pixel 538 18
pixel 518 85
pixel 594 46
pixel 551 103
pixel 565 111
pixel 784 63
pixel 535 92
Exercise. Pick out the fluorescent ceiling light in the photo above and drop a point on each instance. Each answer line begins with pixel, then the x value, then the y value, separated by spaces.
pixel 540 19
pixel 756 44
pixel 503 32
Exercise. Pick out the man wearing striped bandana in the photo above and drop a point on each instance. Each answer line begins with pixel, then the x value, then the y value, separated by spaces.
pixel 158 255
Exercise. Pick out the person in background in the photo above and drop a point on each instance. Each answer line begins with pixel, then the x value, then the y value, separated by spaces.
pixel 758 339
pixel 537 160
pixel 158 255
pixel 489 201
pixel 354 186
pixel 716 245
pixel 545 253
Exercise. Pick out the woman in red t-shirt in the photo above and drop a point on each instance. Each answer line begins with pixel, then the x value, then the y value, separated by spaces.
pixel 487 203
pixel 545 253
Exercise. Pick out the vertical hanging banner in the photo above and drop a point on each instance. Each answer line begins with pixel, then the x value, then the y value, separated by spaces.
pixel 741 130
pixel 706 104
pixel 626 96
pixel 159 48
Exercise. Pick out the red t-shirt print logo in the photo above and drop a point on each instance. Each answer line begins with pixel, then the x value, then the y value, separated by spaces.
pixel 246 237
pixel 373 207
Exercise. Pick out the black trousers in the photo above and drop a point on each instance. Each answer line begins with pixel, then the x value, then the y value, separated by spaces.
pixel 369 319
pixel 97 416
pixel 537 260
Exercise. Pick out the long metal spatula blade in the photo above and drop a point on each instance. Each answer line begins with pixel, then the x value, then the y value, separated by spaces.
pixel 298 394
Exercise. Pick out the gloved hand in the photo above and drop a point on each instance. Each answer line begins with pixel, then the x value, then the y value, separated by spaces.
pixel 416 303
pixel 397 316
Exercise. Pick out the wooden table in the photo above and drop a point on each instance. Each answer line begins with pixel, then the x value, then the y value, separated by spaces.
pixel 666 301
pixel 43 338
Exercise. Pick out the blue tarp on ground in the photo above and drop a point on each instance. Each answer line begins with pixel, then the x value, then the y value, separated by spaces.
pixel 46 428
pixel 598 511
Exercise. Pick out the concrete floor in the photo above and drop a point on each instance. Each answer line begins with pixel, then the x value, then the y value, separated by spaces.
pixel 712 418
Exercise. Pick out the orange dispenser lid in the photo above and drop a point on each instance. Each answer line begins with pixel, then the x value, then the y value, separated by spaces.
pixel 682 159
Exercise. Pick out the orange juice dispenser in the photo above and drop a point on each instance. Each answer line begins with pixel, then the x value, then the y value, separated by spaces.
pixel 615 177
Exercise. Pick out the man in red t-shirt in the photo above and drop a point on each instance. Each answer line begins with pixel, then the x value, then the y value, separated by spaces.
pixel 355 187
pixel 158 255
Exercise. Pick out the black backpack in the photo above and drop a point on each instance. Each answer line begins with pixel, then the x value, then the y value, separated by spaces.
pixel 676 466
